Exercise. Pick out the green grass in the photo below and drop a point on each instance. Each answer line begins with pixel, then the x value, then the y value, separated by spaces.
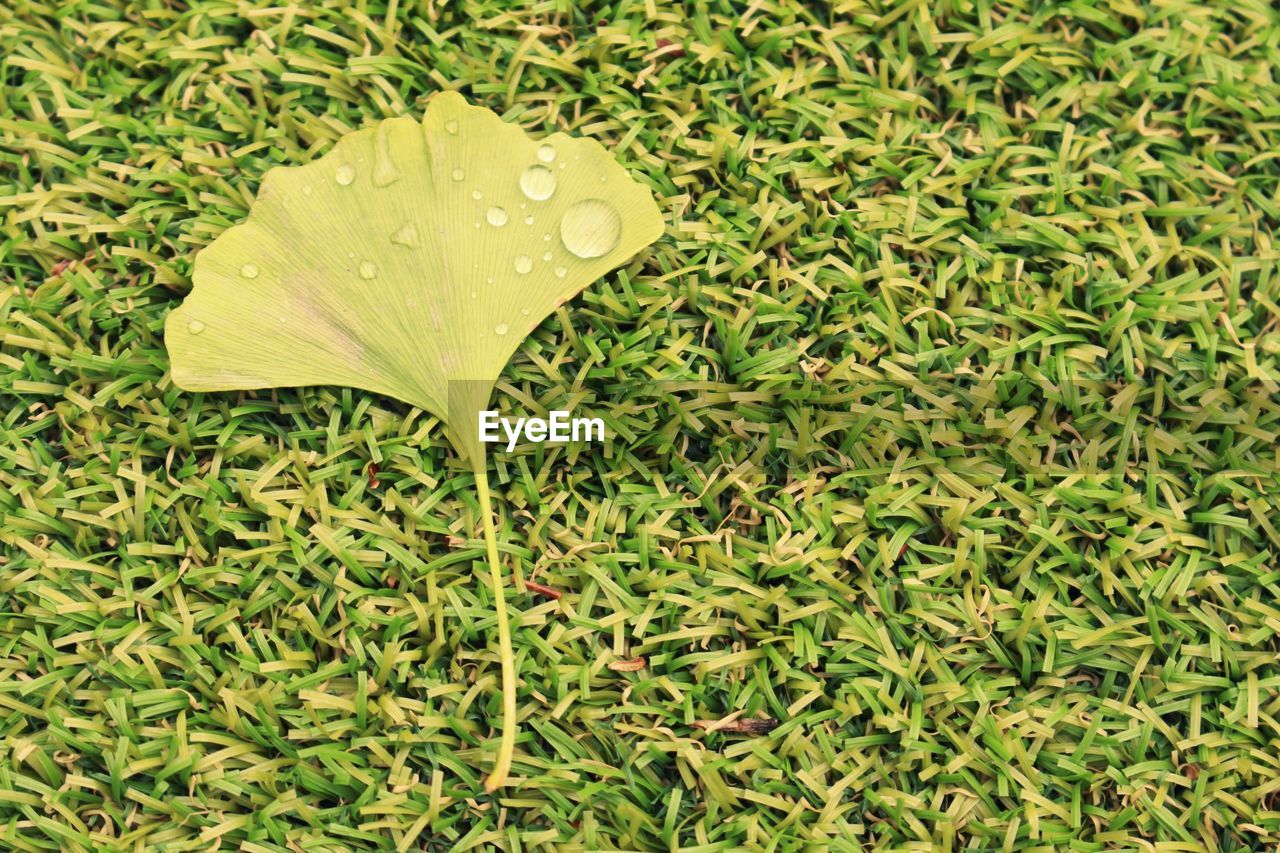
pixel 946 419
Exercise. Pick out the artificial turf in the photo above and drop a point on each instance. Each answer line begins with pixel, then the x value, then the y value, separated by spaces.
pixel 940 509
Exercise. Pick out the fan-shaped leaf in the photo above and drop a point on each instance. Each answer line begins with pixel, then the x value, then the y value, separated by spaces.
pixel 411 260
pixel 409 256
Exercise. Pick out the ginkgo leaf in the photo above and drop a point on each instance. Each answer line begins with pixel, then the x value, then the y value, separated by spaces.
pixel 409 257
pixel 411 261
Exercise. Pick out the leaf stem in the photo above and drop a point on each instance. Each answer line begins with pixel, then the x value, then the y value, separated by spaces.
pixel 498 777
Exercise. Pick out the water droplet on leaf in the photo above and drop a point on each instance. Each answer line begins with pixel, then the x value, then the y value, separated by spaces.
pixel 590 228
pixel 451 126
pixel 561 272
pixel 546 153
pixel 546 256
pixel 497 217
pixel 406 236
pixel 368 269
pixel 345 174
pixel 249 270
pixel 384 168
pixel 458 174
pixel 523 264
pixel 195 327
pixel 477 195
pixel 500 329
pixel 528 220
pixel 538 183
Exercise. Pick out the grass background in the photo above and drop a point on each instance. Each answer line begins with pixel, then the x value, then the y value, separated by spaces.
pixel 946 414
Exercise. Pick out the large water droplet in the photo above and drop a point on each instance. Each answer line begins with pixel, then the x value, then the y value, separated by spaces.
pixel 406 236
pixel 546 153
pixel 523 264
pixel 249 270
pixel 458 174
pixel 500 329
pixel 590 228
pixel 496 216
pixel 384 168
pixel 368 269
pixel 345 174
pixel 195 327
pixel 538 183
pixel 451 126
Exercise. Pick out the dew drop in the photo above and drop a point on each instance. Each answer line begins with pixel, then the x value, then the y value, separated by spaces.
pixel 497 217
pixel 538 183
pixel 384 168
pixel 500 329
pixel 195 327
pixel 477 195
pixel 528 220
pixel 488 280
pixel 477 224
pixel 525 311
pixel 561 272
pixel 368 269
pixel 546 256
pixel 406 236
pixel 345 174
pixel 458 174
pixel 590 228
pixel 249 270
pixel 451 126
pixel 546 236
pixel 306 190
pixel 546 153
pixel 523 264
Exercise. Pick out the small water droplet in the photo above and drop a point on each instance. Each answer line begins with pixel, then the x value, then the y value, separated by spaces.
pixel 384 168
pixel 546 236
pixel 451 126
pixel 477 223
pixel 195 327
pixel 538 183
pixel 368 269
pixel 477 195
pixel 528 220
pixel 590 228
pixel 306 190
pixel 525 311
pixel 500 329
pixel 497 217
pixel 546 256
pixel 435 318
pixel 249 270
pixel 604 178
pixel 345 174
pixel 488 279
pixel 523 264
pixel 474 295
pixel 458 174
pixel 406 236
pixel 546 153
pixel 561 272
pixel 523 205
pixel 562 165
